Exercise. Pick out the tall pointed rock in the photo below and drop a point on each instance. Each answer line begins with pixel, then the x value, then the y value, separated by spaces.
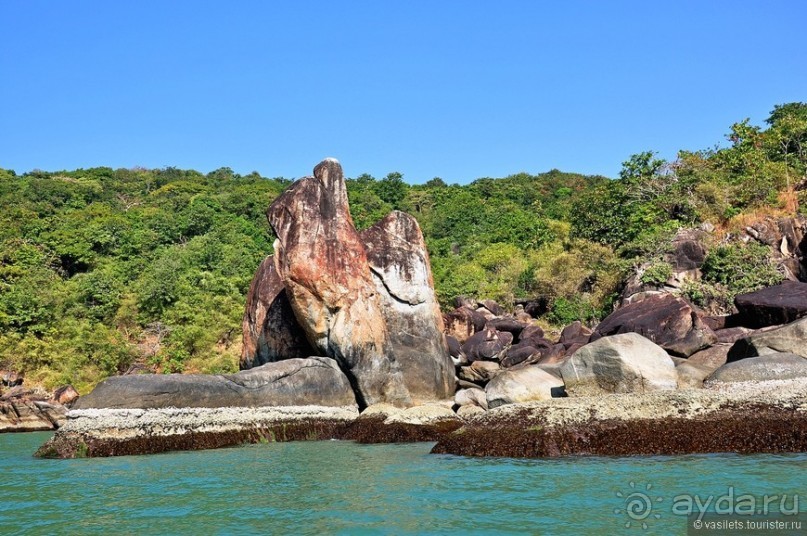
pixel 399 262
pixel 323 265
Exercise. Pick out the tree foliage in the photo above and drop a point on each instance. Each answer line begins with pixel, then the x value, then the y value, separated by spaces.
pixel 105 269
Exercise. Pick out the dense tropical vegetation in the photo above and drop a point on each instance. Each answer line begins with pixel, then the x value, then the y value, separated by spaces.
pixel 105 269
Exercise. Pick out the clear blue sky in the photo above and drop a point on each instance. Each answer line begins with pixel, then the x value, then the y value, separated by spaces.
pixel 455 89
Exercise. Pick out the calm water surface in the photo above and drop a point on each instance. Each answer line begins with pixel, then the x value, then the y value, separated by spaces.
pixel 332 487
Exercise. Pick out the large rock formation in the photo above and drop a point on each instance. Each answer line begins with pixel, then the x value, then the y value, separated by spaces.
pixel 665 319
pixel 774 305
pixel 399 262
pixel 791 338
pixel 316 381
pixel 271 331
pixel 367 300
pixel 624 363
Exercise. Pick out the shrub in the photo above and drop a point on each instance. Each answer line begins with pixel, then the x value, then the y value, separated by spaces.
pixel 741 268
pixel 657 273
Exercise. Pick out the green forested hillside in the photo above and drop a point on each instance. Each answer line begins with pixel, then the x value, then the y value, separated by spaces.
pixel 102 270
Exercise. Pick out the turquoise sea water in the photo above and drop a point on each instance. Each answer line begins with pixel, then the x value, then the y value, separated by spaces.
pixel 329 487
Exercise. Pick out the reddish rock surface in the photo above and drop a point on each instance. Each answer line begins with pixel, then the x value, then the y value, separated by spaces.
pixel 780 304
pixel 323 264
pixel 665 319
pixel 271 332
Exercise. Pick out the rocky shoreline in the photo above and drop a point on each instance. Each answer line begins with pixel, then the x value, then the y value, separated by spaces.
pixel 768 416
pixel 763 417
pixel 344 339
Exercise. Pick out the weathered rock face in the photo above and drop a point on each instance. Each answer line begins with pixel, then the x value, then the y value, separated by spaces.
pixel 30 415
pixel 791 338
pixel 28 410
pixel 271 332
pixel 665 319
pixel 365 300
pixel 619 364
pixel 779 304
pixel 522 385
pixel 292 382
pixel 778 366
pixel 399 261
pixel 324 268
pixel 786 238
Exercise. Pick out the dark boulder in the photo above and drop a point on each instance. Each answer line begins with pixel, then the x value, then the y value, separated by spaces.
pixel 732 335
pixel 779 304
pixel 493 307
pixel 463 322
pixel 574 333
pixel 688 252
pixel 487 344
pixel 531 332
pixel 518 354
pixel 667 320
pixel 455 349
pixel 509 325
pixel 554 355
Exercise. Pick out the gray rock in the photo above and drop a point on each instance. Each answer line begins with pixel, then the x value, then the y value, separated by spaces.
pixel 623 363
pixel 791 338
pixel 399 262
pixel 522 385
pixel 292 382
pixel 778 366
pixel 471 397
pixel 691 375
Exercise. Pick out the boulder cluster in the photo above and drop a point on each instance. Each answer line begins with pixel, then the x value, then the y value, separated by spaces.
pixel 656 341
pixel 31 410
pixel 339 317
